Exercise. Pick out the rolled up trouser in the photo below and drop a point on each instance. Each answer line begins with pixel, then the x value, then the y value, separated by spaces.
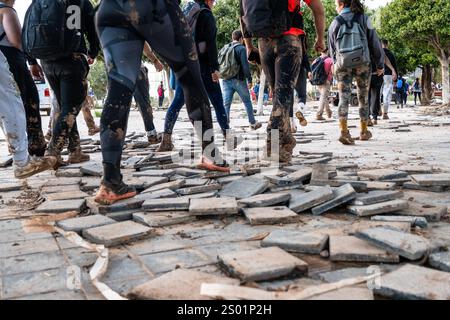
pixel 12 114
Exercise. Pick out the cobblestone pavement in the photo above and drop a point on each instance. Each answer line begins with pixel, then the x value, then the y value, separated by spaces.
pixel 343 237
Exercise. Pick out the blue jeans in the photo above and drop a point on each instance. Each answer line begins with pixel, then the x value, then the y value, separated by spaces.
pixel 214 95
pixel 229 87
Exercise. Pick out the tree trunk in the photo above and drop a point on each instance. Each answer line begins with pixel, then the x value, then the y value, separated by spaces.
pixel 427 92
pixel 445 79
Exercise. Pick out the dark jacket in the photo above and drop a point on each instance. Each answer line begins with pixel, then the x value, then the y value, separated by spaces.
pixel 376 51
pixel 391 57
pixel 206 31
pixel 241 56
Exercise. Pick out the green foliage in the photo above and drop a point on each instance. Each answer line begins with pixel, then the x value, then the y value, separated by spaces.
pixel 98 79
pixel 227 16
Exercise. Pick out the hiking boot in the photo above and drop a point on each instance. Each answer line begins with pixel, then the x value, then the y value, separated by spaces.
pixel 108 196
pixel 93 131
pixel 385 116
pixel 329 113
pixel 153 137
pixel 365 135
pixel 370 123
pixel 301 118
pixel 166 143
pixel 346 138
pixel 34 166
pixel 256 125
pixel 293 126
pixel 209 165
pixel 78 157
pixel 319 117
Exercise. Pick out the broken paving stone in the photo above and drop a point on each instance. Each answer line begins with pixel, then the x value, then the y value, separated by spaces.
pixel 144 182
pixel 61 206
pixel 382 174
pixel 175 204
pixel 414 221
pixel 301 175
pixel 62 182
pixel 244 188
pixel 429 212
pixel 186 172
pixel 213 206
pixel 293 186
pixel 121 215
pixel 341 195
pixel 265 200
pixel 378 208
pixel 5 161
pixel 90 184
pixel 359 186
pixel 196 182
pixel 154 173
pixel 416 169
pixel 81 223
pixel 163 219
pixel 348 293
pixel 63 189
pixel 270 215
pixel 180 284
pixel 296 241
pixel 320 172
pixel 172 185
pixel 441 179
pixel 92 169
pixel 311 199
pixel 415 186
pixel 376 196
pixel 199 189
pixel 262 264
pixel 228 179
pixel 352 249
pixel 10 186
pixel 67 195
pixel 127 204
pixel 68 173
pixel 407 245
pixel 378 185
pixel 342 274
pixel 117 233
pixel 164 193
pixel 414 283
pixel 440 260
pixel 204 195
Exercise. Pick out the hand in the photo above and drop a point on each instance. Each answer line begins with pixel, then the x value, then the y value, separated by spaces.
pixel 249 85
pixel 380 72
pixel 394 76
pixel 158 66
pixel 253 52
pixel 310 75
pixel 319 45
pixel 90 61
pixel 216 76
pixel 36 72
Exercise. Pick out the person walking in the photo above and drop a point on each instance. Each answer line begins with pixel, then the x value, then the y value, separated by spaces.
pixel 161 95
pixel 417 90
pixel 389 77
pixel 349 32
pixel 324 88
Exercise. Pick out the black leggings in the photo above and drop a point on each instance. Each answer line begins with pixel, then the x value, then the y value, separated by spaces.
pixel 123 26
pixel 142 98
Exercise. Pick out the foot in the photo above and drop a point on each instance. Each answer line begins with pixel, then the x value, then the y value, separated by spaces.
pixel 78 157
pixel 346 138
pixel 34 166
pixel 329 114
pixel 385 116
pixel 370 123
pixel 209 165
pixel 293 126
pixel 108 196
pixel 319 117
pixel 94 131
pixel 153 137
pixel 301 118
pixel 166 143
pixel 256 125
pixel 375 122
pixel 48 135
pixel 365 135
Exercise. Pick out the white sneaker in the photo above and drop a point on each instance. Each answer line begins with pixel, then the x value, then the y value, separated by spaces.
pixel 301 107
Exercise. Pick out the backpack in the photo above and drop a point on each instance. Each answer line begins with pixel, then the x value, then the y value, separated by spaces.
pixel 269 18
pixel 192 11
pixel 229 66
pixel 320 76
pixel 352 47
pixel 45 32
pixel 3 35
pixel 400 84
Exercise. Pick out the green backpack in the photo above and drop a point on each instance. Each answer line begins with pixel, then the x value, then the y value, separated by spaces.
pixel 229 66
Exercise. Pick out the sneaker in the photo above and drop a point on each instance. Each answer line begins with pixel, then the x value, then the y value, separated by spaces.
pixel 256 125
pixel 301 118
pixel 107 196
pixel 34 166
pixel 94 131
pixel 319 117
pixel 153 137
pixel 346 138
pixel 78 157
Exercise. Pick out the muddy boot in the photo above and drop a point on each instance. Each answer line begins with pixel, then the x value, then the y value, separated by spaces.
pixel 345 138
pixel 365 134
pixel 286 150
pixel 78 157
pixel 301 118
pixel 329 113
pixel 370 123
pixel 110 195
pixel 34 166
pixel 293 126
pixel 215 163
pixel 166 143
pixel 319 117
pixel 153 137
pixel 385 116
pixel 256 125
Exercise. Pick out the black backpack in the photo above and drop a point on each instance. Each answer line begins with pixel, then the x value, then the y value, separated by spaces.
pixel 269 18
pixel 319 74
pixel 192 11
pixel 45 34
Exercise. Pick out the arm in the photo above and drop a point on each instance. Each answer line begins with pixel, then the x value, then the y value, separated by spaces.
pixel 332 40
pixel 375 48
pixel 91 32
pixel 12 28
pixel 153 59
pixel 244 64
pixel 208 24
pixel 319 21
pixel 390 66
